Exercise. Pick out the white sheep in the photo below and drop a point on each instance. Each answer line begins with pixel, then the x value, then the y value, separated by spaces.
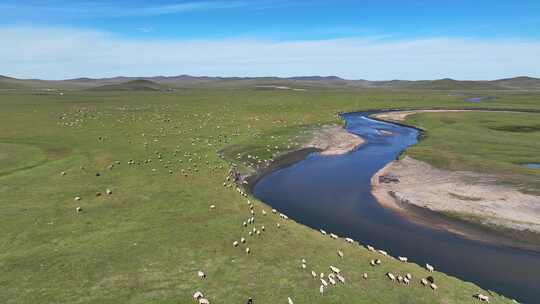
pixel 433 286
pixel 77 198
pixel 408 276
pixel 340 278
pixel 324 282
pixel 204 301
pixel 313 274
pixel 406 281
pixel 370 248
pixel 321 289
pixel 403 259
pixel 430 268
pixel 383 252
pixel 481 297
pixel 391 276
pixel 424 282
pixel 242 240
pixel 108 191
pixel 340 253
pixel 323 232
pixel 78 209
pixel 331 279
pixel 365 276
pixel 335 237
pixel 290 300
pixel 235 244
pixel 201 274
pixel 335 269
pixel 248 250
pixel 197 295
pixel 349 240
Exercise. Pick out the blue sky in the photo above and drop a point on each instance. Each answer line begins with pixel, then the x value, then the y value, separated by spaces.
pixel 391 39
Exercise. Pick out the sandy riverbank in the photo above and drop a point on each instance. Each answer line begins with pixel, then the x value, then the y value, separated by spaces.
pixel 467 195
pixel 334 140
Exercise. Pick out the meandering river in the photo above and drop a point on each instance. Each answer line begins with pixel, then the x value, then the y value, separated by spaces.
pixel 334 193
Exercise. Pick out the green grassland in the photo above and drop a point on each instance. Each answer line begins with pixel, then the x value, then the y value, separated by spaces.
pixel 492 143
pixel 146 241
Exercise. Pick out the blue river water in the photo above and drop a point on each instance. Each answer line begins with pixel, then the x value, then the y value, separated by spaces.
pixel 334 193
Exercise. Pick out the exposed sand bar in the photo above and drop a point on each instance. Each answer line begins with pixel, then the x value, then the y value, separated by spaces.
pixel 469 195
pixel 334 140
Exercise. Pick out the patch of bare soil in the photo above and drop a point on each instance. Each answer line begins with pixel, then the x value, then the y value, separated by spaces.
pixel 468 195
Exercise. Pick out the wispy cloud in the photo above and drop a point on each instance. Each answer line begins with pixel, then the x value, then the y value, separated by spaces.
pixel 125 9
pixel 56 53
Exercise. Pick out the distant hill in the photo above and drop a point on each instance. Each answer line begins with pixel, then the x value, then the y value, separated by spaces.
pixel 132 85
pixel 301 82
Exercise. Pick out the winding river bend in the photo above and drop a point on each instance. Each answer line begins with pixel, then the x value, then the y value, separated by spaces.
pixel 334 193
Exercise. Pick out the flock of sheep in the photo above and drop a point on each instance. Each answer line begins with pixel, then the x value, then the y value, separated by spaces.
pixel 334 277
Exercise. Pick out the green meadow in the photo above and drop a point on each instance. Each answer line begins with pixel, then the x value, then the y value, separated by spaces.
pixel 160 155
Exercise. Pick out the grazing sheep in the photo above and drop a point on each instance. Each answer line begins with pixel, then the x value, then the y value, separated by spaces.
pixel 403 259
pixel 335 237
pixel 370 248
pixel 340 278
pixel 278 225
pixel 331 279
pixel 262 228
pixel 290 300
pixel 263 212
pixel 378 262
pixel 108 191
pixel 197 295
pixel 372 262
pixel 321 289
pixel 77 198
pixel 335 269
pixel 313 274
pixel 391 276
pixel 244 224
pixel 248 250
pixel 430 268
pixel 250 233
pixel 406 281
pixel 400 279
pixel 324 283
pixel 204 301
pixel 349 240
pixel 408 276
pixel 274 211
pixel 383 252
pixel 242 240
pixel 481 297
pixel 212 207
pixel 283 216
pixel 303 266
pixel 424 282
pixel 201 274
pixel 340 253
pixel 235 244
pixel 365 276
pixel 304 261
pixel 323 232
pixel 433 286
pixel 62 173
pixel 78 209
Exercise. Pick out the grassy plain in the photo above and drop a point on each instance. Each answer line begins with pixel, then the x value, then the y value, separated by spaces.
pixel 146 241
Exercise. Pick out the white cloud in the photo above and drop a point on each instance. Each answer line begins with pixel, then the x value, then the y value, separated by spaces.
pixel 55 53
pixel 93 9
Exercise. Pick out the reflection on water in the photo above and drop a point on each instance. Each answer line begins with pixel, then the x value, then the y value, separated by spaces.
pixel 333 193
